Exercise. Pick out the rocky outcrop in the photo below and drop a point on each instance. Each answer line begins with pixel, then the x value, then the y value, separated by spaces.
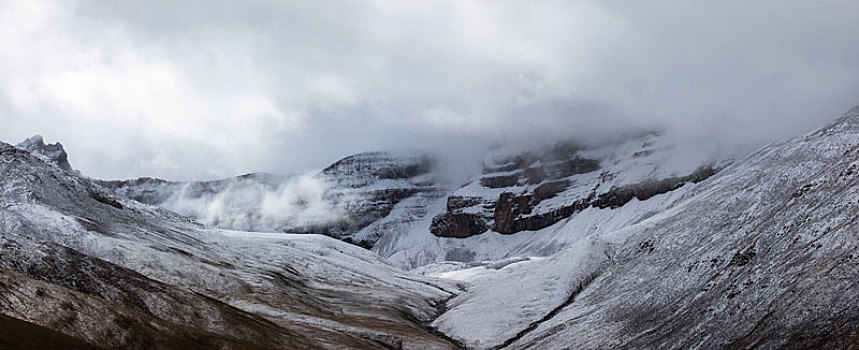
pixel 146 190
pixel 529 179
pixel 455 203
pixel 529 169
pixel 533 176
pixel 501 181
pixel 567 167
pixel 549 189
pixel 511 207
pixel 511 217
pixel 619 196
pixel 53 154
pixel 371 185
pixel 458 225
pixel 512 211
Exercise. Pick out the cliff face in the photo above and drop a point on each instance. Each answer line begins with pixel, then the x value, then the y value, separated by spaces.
pixel 514 212
pixel 535 176
pixel 525 202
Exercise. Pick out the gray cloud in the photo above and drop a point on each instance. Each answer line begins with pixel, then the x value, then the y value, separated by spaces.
pixel 201 89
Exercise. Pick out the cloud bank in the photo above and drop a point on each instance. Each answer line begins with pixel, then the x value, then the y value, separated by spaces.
pixel 201 89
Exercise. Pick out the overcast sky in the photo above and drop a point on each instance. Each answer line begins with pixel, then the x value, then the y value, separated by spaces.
pixel 203 89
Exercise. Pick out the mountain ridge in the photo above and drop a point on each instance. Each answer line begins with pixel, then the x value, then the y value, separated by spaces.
pixel 754 253
pixel 382 201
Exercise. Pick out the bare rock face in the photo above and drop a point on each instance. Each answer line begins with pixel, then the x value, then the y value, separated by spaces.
pixel 500 181
pixel 512 214
pixel 458 225
pixel 528 168
pixel 529 180
pixel 546 172
pixel 618 196
pixel 512 211
pixel 53 154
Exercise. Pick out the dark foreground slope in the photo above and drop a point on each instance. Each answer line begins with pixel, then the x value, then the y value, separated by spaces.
pixel 22 335
pixel 78 260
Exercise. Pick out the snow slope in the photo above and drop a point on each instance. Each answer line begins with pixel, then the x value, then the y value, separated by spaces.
pixel 762 255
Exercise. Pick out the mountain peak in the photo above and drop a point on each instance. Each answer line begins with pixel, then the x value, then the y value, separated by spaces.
pixel 53 154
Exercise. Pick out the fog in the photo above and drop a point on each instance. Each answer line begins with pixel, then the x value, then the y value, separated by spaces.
pixel 201 89
pixel 251 205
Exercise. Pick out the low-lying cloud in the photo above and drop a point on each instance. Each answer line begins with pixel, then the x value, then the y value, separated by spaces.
pixel 200 89
pixel 304 201
pixel 241 204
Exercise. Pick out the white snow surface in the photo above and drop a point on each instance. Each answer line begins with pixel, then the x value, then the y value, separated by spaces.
pixel 500 302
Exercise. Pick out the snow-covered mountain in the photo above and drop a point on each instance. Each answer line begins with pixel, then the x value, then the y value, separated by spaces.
pixel 527 203
pixel 80 260
pixel 634 244
pixel 398 206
